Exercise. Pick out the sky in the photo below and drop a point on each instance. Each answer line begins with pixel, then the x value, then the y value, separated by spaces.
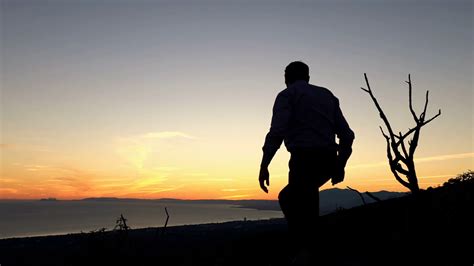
pixel 172 99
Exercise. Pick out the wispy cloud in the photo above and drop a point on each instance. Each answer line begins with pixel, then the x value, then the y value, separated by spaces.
pixel 24 147
pixel 166 135
pixel 436 176
pixel 165 168
pixel 52 168
pixel 235 189
pixel 137 149
pixel 8 190
pixel 216 179
pixel 417 160
pixel 159 189
pixel 77 184
pixel 197 174
pixel 7 180
pixel 446 157
pixel 4 145
pixel 236 196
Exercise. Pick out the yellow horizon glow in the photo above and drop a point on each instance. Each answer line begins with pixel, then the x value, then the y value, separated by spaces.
pixel 134 167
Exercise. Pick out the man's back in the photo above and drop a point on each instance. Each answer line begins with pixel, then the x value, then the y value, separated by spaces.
pixel 312 123
pixel 307 116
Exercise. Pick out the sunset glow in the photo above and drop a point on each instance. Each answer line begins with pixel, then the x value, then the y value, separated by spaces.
pixel 162 100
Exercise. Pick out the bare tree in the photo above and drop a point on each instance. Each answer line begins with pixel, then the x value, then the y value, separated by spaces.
pixel 397 151
pixel 121 224
pixel 360 194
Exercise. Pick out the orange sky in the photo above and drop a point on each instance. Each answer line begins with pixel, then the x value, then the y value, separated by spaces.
pixel 134 167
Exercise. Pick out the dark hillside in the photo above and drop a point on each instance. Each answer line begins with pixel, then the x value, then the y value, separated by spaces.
pixel 433 228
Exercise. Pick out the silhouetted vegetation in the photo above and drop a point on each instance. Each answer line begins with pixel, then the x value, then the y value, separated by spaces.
pixel 358 193
pixel 462 178
pixel 397 151
pixel 163 229
pixel 121 224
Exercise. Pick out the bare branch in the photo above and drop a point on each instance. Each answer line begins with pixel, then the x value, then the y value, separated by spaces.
pixel 400 169
pixel 382 114
pixel 420 125
pixel 167 219
pixel 383 133
pixel 416 136
pixel 410 99
pixel 422 116
pixel 372 196
pixel 393 162
pixel 399 179
pixel 360 194
pixel 163 230
pixel 404 149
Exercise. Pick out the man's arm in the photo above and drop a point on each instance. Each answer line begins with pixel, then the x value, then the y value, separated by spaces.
pixel 274 138
pixel 346 138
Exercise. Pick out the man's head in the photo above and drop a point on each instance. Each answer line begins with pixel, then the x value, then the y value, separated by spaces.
pixel 296 71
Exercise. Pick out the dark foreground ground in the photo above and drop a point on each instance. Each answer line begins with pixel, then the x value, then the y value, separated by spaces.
pixel 434 228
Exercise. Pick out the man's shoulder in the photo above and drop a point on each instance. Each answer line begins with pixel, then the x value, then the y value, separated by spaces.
pixel 323 89
pixel 298 89
pixel 284 93
pixel 324 92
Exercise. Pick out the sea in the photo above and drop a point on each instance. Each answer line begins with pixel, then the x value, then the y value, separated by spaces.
pixel 25 218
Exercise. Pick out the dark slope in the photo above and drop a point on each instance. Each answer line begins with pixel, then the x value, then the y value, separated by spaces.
pixel 433 228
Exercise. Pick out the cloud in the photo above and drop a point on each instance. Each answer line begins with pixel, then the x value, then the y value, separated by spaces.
pixel 216 179
pixel 147 182
pixel 446 157
pixel 4 145
pixel 197 174
pixel 23 147
pixel 8 180
pixel 158 190
pixel 8 191
pixel 51 168
pixel 137 149
pixel 418 160
pixel 436 176
pixel 166 135
pixel 235 189
pixel 165 168
pixel 236 196
pixel 76 184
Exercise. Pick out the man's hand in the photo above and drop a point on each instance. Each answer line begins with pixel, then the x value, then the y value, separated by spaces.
pixel 338 176
pixel 263 177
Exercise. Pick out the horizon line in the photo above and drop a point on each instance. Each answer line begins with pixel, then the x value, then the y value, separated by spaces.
pixel 177 199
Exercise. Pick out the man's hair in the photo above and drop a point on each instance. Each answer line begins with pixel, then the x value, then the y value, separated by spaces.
pixel 297 70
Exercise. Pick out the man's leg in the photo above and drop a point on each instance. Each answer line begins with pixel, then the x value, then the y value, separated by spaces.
pixel 299 200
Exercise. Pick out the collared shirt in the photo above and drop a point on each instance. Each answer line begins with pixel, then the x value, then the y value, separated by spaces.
pixel 308 116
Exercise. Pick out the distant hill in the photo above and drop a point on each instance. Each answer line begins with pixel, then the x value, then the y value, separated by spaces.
pixel 333 199
pixel 330 200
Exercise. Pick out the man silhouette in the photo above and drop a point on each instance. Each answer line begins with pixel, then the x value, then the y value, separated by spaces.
pixel 308 119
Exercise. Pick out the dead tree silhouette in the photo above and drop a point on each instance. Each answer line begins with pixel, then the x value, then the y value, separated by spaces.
pixel 358 193
pixel 163 230
pixel 395 142
pixel 121 224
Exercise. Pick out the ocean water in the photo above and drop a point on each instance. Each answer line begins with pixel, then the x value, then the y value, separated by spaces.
pixel 35 218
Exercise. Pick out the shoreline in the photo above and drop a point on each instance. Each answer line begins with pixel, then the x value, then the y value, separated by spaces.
pixel 179 227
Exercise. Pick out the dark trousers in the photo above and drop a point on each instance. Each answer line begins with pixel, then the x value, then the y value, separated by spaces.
pixel 299 200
